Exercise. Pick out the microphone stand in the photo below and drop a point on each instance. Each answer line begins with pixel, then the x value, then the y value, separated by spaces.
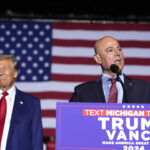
pixel 125 95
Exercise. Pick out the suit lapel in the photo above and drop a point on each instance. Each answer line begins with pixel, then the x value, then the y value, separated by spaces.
pixel 16 114
pixel 128 84
pixel 99 90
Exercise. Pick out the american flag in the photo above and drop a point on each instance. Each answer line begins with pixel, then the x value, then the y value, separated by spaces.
pixel 54 57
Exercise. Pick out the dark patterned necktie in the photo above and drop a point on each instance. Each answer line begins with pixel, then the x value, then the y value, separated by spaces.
pixel 113 92
pixel 3 109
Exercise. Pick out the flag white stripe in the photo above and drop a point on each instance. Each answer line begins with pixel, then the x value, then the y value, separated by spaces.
pixel 76 69
pixel 136 52
pixel 72 51
pixel 47 86
pixel 50 104
pixel 137 70
pixel 96 70
pixel 96 34
pixel 49 122
pixel 89 52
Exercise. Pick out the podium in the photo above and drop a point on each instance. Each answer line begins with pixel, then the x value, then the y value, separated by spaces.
pixel 102 126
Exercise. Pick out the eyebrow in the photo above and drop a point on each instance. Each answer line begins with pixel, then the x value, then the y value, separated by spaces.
pixel 113 47
pixel 109 48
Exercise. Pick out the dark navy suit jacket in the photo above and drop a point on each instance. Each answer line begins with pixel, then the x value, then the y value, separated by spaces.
pixel 25 131
pixel 138 91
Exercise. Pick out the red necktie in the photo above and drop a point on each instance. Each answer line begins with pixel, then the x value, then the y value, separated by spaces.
pixel 113 93
pixel 3 108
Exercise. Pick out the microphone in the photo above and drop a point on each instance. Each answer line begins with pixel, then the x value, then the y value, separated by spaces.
pixel 115 69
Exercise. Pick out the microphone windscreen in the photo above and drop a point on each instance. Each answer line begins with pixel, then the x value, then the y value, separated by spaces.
pixel 114 68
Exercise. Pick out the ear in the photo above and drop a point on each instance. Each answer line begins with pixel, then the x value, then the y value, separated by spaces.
pixel 15 74
pixel 97 59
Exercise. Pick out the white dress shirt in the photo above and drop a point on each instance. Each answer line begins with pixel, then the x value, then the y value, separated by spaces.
pixel 106 86
pixel 10 98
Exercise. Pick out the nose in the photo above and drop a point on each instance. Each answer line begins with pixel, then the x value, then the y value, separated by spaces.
pixel 118 52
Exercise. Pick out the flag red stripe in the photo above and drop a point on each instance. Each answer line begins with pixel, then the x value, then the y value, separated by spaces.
pixel 137 61
pixel 88 43
pixel 85 78
pixel 73 60
pixel 101 26
pixel 139 44
pixel 83 60
pixel 55 95
pixel 73 43
pixel 48 132
pixel 73 78
pixel 48 113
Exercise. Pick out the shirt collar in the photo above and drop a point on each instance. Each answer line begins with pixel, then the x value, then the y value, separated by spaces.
pixel 10 91
pixel 106 77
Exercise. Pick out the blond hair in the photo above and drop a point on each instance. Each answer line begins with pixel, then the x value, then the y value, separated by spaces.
pixel 12 59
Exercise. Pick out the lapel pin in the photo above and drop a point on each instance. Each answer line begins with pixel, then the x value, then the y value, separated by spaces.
pixel 21 102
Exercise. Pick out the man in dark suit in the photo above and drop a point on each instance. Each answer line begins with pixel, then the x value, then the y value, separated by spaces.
pixel 108 52
pixel 22 129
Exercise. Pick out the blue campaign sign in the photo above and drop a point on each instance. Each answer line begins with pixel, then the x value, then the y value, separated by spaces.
pixel 102 126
